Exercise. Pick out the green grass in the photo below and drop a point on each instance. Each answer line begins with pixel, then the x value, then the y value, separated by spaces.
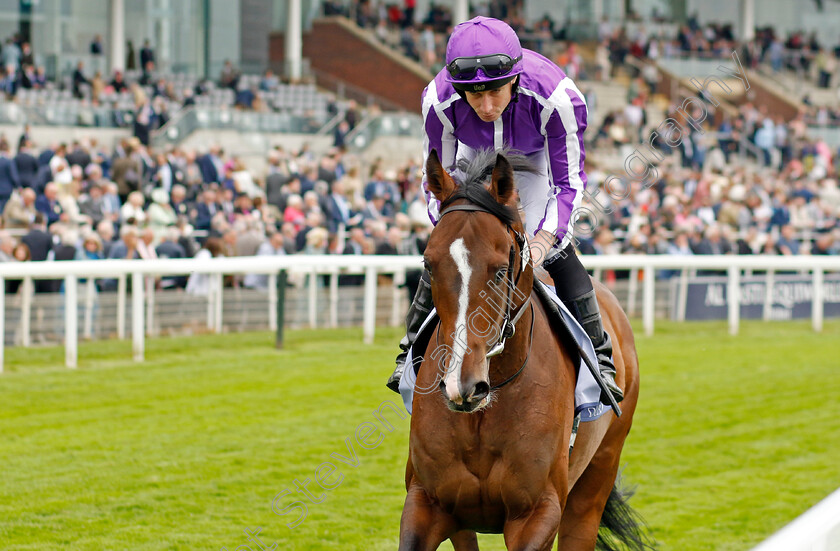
pixel 733 438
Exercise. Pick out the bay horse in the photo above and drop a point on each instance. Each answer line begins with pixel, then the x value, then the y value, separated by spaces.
pixel 489 443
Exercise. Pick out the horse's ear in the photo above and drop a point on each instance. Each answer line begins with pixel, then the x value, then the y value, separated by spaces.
pixel 438 181
pixel 501 183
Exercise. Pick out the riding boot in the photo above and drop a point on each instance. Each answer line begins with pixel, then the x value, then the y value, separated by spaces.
pixel 417 314
pixel 585 309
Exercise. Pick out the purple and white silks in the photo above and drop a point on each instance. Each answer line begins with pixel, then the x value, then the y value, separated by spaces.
pixel 545 120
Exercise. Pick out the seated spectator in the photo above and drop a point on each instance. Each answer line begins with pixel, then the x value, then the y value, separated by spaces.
pixel 133 209
pixel 126 247
pixel 317 240
pixel 79 80
pixel 7 245
pixel 269 81
pixel 117 83
pixel 91 247
pixel 106 233
pixel 145 245
pixel 273 246
pixel 170 248
pixel 787 244
pixel 20 211
pixel 161 213
pixel 91 205
pixel 294 212
pixel 198 283
pixel 205 210
pixel 49 205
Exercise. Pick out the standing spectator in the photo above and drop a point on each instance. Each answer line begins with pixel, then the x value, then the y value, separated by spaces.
pixel 126 171
pixel 130 58
pixel 97 51
pixel 340 134
pixel 211 165
pixel 765 139
pixel 143 119
pixel 9 178
pixel 11 55
pixel 78 155
pixel 27 57
pixel 40 243
pixel 147 57
pixel 428 51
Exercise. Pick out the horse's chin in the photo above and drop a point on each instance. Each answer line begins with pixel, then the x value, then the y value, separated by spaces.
pixel 469 407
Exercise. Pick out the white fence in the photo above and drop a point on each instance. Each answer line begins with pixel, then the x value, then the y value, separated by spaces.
pixel 818 529
pixel 142 272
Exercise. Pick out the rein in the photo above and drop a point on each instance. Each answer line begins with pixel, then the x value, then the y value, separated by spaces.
pixel 508 328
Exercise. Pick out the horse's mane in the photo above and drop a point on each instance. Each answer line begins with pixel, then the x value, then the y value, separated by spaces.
pixel 472 174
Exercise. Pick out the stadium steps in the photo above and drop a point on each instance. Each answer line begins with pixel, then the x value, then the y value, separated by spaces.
pixel 341 53
pixel 795 86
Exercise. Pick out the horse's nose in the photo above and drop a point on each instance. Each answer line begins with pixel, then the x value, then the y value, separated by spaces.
pixel 472 392
pixel 478 392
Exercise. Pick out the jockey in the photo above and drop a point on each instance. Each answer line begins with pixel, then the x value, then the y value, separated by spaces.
pixel 493 93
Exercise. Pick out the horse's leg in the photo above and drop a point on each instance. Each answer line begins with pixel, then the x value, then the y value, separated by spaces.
pixel 465 540
pixel 424 525
pixel 537 531
pixel 586 501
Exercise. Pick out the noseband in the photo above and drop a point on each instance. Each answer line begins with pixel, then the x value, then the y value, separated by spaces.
pixel 508 328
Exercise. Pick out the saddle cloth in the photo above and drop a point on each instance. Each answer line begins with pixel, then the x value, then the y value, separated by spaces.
pixel 575 339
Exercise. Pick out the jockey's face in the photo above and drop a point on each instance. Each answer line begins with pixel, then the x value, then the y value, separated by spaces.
pixel 490 104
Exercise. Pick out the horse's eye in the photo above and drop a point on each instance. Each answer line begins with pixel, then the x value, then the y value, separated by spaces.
pixel 427 267
pixel 500 275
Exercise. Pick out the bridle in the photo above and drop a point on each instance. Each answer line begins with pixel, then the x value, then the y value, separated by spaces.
pixel 509 321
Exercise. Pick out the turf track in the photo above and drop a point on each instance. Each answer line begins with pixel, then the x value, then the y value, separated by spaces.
pixel 734 437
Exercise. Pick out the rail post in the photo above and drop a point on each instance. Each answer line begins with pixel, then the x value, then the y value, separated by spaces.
pixel 281 278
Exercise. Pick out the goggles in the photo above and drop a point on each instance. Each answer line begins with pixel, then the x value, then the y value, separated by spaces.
pixel 494 66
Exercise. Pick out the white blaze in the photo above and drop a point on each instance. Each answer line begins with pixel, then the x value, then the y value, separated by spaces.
pixel 459 254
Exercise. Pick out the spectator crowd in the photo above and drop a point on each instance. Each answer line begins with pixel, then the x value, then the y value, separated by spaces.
pixel 85 201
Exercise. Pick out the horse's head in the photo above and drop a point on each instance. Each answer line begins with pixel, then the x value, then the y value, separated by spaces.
pixel 480 269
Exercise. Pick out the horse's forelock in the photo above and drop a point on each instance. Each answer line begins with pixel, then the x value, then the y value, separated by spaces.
pixel 471 175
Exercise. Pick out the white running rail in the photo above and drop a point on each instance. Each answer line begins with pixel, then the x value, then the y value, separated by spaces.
pixel 818 529
pixel 370 266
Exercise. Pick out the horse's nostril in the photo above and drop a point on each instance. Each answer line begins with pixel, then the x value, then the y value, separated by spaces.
pixel 480 391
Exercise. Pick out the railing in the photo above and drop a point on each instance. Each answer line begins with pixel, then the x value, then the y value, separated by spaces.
pixel 218 118
pixel 388 124
pixel 142 273
pixel 818 529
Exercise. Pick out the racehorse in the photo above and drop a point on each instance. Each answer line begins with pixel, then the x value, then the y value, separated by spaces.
pixel 489 447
